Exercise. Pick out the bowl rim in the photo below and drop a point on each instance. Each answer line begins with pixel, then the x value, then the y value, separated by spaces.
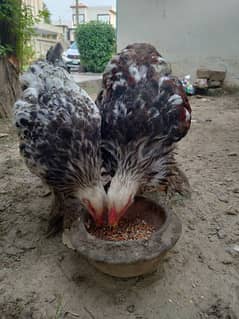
pixel 128 251
pixel 162 228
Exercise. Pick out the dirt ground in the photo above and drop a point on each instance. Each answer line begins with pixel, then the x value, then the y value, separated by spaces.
pixel 42 279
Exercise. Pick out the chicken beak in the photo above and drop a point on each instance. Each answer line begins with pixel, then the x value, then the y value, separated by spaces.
pixel 113 217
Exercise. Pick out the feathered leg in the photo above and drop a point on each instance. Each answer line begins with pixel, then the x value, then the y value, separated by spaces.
pixel 56 219
pixel 65 210
pixel 178 183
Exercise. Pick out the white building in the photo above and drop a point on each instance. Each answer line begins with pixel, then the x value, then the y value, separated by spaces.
pixel 189 33
pixel 46 35
pixel 37 6
pixel 89 13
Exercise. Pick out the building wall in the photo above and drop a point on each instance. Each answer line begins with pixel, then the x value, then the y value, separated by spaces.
pixel 113 19
pixel 189 33
pixel 37 5
pixel 91 13
pixel 47 35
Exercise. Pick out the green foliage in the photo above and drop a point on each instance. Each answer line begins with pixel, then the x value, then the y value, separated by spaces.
pixel 16 24
pixel 45 14
pixel 5 50
pixel 96 42
pixel 28 55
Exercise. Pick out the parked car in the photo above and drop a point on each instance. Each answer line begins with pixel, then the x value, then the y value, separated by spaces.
pixel 72 57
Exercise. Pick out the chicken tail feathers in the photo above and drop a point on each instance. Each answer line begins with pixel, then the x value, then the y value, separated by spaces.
pixel 54 53
pixel 54 56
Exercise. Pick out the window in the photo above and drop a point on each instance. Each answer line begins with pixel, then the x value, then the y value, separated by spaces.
pixel 74 46
pixel 81 18
pixel 103 18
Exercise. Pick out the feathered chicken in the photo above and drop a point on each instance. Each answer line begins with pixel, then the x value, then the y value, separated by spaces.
pixel 145 111
pixel 59 130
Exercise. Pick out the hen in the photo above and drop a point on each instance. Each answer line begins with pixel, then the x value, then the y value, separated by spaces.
pixel 59 131
pixel 145 111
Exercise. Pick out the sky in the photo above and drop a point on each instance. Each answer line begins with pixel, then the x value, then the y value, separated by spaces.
pixel 61 11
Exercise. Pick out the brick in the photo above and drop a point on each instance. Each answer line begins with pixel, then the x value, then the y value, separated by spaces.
pixel 214 84
pixel 203 73
pixel 212 74
pixel 201 83
pixel 217 75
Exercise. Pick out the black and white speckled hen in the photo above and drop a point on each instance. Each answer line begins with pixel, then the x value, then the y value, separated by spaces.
pixel 59 130
pixel 145 111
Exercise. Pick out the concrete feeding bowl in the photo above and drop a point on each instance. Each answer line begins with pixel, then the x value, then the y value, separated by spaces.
pixel 129 258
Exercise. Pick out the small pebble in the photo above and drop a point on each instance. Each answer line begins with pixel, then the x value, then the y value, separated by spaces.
pixel 223 199
pixel 131 308
pixel 46 193
pixel 232 154
pixel 50 299
pixel 120 299
pixel 2 275
pixel 221 234
pixel 61 258
pixel 3 135
pixel 227 262
pixel 231 211
pixel 191 227
pixel 233 250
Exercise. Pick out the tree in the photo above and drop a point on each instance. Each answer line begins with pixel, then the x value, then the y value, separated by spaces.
pixel 16 25
pixel 46 14
pixel 96 42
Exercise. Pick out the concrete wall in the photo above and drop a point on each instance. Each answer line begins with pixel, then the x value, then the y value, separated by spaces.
pixel 189 33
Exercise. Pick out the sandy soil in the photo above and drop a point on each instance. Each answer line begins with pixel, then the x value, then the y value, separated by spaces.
pixel 40 278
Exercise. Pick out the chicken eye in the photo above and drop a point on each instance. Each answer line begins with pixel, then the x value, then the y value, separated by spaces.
pixel 86 201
